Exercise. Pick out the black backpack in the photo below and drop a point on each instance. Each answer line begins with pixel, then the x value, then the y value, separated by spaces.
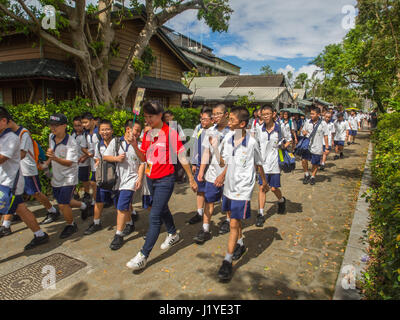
pixel 106 172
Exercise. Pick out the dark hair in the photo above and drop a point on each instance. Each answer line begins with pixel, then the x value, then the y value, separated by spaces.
pixel 267 107
pixel 221 105
pixel 168 112
pixel 107 122
pixel 152 107
pixel 77 118
pixel 316 109
pixel 88 116
pixel 208 112
pixel 242 113
pixel 205 108
pixel 97 119
pixel 130 123
pixel 5 114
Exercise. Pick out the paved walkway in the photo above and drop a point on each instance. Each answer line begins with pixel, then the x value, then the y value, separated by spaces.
pixel 295 256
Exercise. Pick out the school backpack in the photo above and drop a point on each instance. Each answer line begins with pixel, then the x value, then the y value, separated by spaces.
pixel 106 172
pixel 287 161
pixel 38 153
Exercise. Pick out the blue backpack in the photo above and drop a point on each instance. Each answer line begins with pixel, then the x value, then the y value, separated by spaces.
pixel 286 159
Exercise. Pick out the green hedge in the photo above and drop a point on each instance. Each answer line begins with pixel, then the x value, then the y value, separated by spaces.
pixel 381 280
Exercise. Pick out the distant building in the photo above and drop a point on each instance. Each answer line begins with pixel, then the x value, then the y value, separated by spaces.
pixel 202 56
pixel 210 91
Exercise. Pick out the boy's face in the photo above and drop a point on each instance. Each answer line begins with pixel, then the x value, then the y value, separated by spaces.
pixel 353 113
pixel 314 115
pixel 78 127
pixel 3 124
pixel 267 115
pixel 106 131
pixel 328 117
pixel 88 124
pixel 234 122
pixel 136 130
pixel 58 130
pixel 205 120
pixel 218 115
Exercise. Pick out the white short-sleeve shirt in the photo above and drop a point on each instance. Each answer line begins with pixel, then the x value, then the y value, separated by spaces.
pixel 340 130
pixel 331 130
pixel 286 130
pixel 67 149
pixel 91 140
pixel 82 144
pixel 318 141
pixel 10 148
pixel 269 147
pixel 28 164
pixel 128 171
pixel 241 161
pixel 353 123
pixel 214 169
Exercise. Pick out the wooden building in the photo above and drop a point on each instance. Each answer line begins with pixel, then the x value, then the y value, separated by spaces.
pixel 32 70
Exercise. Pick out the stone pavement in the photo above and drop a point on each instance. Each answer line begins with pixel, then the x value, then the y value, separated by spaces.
pixel 295 256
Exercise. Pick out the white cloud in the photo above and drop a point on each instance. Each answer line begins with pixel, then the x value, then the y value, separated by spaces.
pixel 308 69
pixel 268 29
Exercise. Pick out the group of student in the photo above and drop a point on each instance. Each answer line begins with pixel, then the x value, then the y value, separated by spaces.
pixel 231 154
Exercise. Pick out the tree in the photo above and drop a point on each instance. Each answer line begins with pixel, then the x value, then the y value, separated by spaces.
pixel 92 30
pixel 267 71
pixel 301 81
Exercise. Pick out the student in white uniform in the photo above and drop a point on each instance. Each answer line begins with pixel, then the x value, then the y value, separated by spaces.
pixel 12 181
pixel 103 197
pixel 130 176
pixel 331 134
pixel 63 156
pixel 315 152
pixel 353 125
pixel 241 156
pixel 270 138
pixel 341 135
pixel 215 175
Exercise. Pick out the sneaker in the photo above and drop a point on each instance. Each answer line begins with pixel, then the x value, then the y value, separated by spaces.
pixel 282 205
pixel 322 167
pixel 5 231
pixel 260 220
pixel 341 156
pixel 306 179
pixel 129 228
pixel 336 157
pixel 170 241
pixel 239 251
pixel 117 242
pixel 348 143
pixel 196 219
pixel 16 218
pixel 68 231
pixel 225 272
pixel 92 229
pixel 51 217
pixel 312 181
pixel 138 262
pixel 202 236
pixel 225 227
pixel 37 241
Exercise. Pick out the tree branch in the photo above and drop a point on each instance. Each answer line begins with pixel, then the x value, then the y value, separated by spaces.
pixel 13 15
pixel 172 11
pixel 29 12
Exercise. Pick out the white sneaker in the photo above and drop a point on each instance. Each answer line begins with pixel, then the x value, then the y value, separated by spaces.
pixel 170 241
pixel 138 262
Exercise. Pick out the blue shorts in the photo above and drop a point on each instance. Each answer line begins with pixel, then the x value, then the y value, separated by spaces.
pixel 201 185
pixel 274 180
pixel 17 201
pixel 103 196
pixel 323 148
pixel 314 158
pixel 63 195
pixel 240 209
pixel 339 143
pixel 123 200
pixel 83 174
pixel 352 133
pixel 147 201
pixel 32 185
pixel 212 193
pixel 93 176
pixel 5 199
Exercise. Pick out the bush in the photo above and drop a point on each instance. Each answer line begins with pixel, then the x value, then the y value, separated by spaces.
pixel 381 280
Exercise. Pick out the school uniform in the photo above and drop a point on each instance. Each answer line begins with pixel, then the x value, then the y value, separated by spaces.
pixel 213 193
pixel 91 140
pixel 84 167
pixel 241 175
pixel 286 129
pixel 269 148
pixel 198 137
pixel 331 130
pixel 10 148
pixel 64 178
pixel 255 125
pixel 128 173
pixel 353 124
pixel 340 132
pixel 19 192
pixel 28 166
pixel 315 152
pixel 102 195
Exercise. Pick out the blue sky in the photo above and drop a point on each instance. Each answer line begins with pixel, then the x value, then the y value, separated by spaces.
pixel 287 35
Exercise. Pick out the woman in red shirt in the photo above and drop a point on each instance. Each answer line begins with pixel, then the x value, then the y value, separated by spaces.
pixel 161 147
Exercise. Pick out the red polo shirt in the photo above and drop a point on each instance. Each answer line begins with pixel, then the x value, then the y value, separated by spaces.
pixel 158 151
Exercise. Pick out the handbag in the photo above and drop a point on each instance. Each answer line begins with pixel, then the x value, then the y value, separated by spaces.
pixel 305 143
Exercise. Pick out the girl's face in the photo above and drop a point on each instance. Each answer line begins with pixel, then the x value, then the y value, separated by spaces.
pixel 153 120
pixel 106 131
pixel 286 115
pixel 3 124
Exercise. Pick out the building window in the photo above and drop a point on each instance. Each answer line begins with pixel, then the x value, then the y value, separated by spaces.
pixel 20 95
pixel 163 101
